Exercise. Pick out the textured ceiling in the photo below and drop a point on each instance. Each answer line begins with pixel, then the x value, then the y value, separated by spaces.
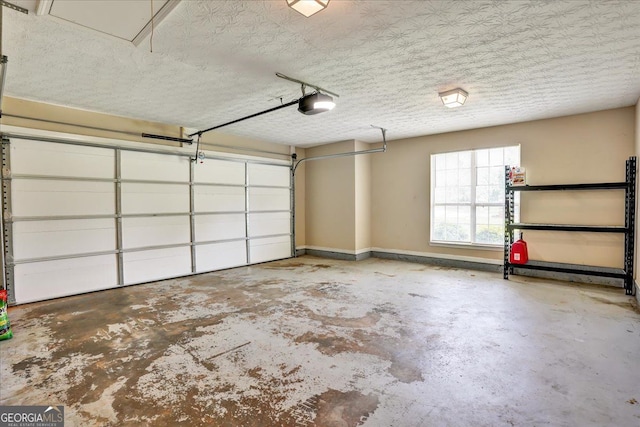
pixel 215 61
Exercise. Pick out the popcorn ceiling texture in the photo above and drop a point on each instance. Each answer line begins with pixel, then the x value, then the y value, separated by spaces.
pixel 214 61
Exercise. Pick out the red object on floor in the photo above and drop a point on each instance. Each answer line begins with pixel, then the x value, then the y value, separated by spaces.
pixel 518 253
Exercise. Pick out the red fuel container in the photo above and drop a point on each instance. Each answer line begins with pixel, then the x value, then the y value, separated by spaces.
pixel 518 253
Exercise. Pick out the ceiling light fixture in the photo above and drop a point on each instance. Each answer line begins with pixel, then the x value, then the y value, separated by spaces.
pixel 453 98
pixel 315 103
pixel 308 7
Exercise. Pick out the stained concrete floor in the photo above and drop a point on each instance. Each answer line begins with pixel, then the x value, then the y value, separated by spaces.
pixel 311 341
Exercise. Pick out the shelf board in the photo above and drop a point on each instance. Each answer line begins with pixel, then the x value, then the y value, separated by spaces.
pixel 570 227
pixel 589 270
pixel 555 187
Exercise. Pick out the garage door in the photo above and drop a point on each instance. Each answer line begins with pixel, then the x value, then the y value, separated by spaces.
pixel 80 217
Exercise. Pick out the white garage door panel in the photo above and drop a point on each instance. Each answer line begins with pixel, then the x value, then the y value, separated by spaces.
pixel 265 224
pixel 49 198
pixel 220 255
pixel 269 175
pixel 219 199
pixel 155 231
pixel 219 227
pixel 219 172
pixel 154 198
pixel 147 266
pixel 65 188
pixel 154 167
pixel 43 158
pixel 269 199
pixel 51 279
pixel 37 239
pixel 270 248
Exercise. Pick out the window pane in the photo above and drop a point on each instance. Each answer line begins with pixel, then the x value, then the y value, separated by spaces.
pixel 452 177
pixel 439 223
pixel 464 195
pixel 482 157
pixel 482 176
pixel 464 176
pixel 452 214
pixel 496 194
pixel 457 213
pixel 496 215
pixel 489 224
pixel 482 194
pixel 451 194
pixel 489 234
pixel 452 160
pixel 464 215
pixel 496 175
pixel 464 223
pixel 496 157
pixel 464 159
pixel 455 229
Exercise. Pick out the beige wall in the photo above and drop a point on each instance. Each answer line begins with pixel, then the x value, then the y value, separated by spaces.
pixel 69 116
pixel 582 148
pixel 25 108
pixel 382 200
pixel 330 199
pixel 362 198
pixel 300 189
pixel 221 142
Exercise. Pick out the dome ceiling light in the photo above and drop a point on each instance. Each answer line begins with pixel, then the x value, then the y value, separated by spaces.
pixel 308 7
pixel 453 98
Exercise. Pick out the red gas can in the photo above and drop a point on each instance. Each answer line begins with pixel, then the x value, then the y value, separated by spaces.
pixel 518 253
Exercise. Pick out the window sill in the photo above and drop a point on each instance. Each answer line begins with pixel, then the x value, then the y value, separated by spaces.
pixel 478 246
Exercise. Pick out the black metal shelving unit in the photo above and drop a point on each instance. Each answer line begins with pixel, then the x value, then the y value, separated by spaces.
pixel 625 273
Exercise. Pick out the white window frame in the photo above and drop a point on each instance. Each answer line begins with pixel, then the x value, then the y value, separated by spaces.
pixel 472 205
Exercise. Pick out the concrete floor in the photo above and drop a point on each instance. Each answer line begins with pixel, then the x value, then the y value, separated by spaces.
pixel 311 341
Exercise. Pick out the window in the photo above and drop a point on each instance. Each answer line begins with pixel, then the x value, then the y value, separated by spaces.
pixel 467 195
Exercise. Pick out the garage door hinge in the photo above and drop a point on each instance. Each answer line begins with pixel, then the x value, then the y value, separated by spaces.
pixel 6 173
